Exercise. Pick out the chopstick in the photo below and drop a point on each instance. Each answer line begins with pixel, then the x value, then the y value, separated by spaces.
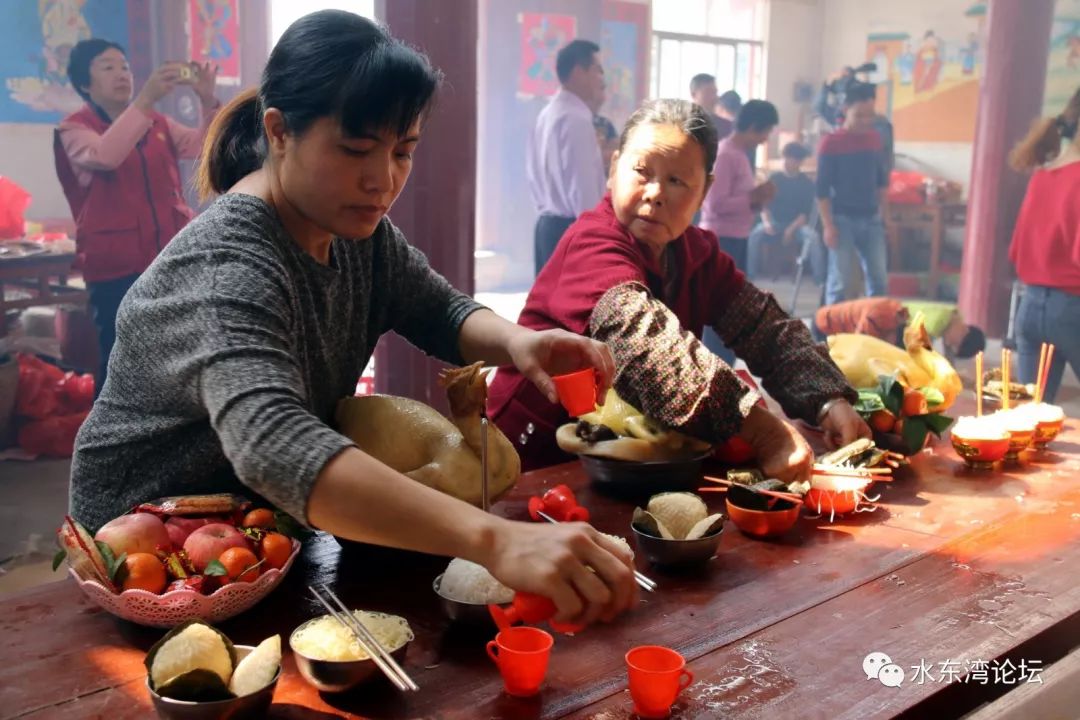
pixel 371 645
pixel 643 581
pixel 790 497
pixel 978 384
pixel 1044 373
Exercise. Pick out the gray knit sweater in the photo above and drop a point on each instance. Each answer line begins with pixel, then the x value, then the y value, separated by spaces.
pixel 231 352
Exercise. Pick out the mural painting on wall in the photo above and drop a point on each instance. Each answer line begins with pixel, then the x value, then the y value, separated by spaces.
pixel 619 53
pixel 542 34
pixel 214 34
pixel 928 78
pixel 1063 70
pixel 36 40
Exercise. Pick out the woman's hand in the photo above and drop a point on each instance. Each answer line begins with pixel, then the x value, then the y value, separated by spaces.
pixel 160 83
pixel 783 452
pixel 205 82
pixel 555 561
pixel 539 355
pixel 842 426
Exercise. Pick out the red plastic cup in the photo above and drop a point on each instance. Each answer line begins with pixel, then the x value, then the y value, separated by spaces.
pixel 577 391
pixel 657 676
pixel 521 654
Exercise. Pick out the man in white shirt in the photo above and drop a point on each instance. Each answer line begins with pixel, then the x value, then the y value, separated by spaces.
pixel 564 165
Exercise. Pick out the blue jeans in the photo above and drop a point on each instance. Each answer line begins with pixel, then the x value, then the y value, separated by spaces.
pixel 809 242
pixel 1053 316
pixel 863 237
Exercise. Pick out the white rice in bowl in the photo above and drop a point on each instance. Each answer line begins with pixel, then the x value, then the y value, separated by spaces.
pixel 326 639
pixel 467 582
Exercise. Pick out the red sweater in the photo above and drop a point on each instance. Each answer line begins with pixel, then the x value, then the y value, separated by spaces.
pixel 595 255
pixel 1046 242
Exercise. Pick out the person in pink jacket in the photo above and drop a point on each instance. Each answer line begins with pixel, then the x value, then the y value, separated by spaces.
pixel 117 160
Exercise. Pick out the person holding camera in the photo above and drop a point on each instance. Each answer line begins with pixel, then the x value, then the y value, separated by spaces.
pixel 117 161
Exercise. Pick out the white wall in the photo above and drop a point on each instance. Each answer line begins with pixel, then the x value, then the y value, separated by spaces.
pixel 26 157
pixel 794 55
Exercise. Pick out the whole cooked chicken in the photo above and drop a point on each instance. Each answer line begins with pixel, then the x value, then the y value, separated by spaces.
pixel 414 439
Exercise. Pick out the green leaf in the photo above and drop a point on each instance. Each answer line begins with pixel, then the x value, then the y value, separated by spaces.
pixel 892 393
pixel 58 558
pixel 215 569
pixel 869 402
pixel 119 572
pixel 938 423
pixel 915 432
pixel 108 557
pixel 933 396
pixel 286 525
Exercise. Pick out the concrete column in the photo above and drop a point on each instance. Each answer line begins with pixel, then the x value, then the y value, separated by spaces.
pixel 1010 97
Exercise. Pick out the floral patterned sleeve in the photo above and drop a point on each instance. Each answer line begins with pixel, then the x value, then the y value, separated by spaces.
pixel 664 371
pixel 778 348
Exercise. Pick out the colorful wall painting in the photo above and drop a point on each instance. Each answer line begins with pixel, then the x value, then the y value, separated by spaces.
pixel 542 35
pixel 619 54
pixel 928 78
pixel 214 35
pixel 36 39
pixel 1063 69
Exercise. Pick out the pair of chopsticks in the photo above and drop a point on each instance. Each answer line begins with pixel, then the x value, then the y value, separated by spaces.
pixel 644 582
pixel 370 644
pixel 790 497
pixel 844 471
pixel 1046 359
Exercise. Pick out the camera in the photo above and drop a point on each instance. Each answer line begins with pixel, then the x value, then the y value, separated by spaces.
pixel 851 74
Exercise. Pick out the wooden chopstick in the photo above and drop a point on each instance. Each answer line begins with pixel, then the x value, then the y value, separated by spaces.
pixel 1045 377
pixel 790 497
pixel 371 645
pixel 645 582
pixel 843 470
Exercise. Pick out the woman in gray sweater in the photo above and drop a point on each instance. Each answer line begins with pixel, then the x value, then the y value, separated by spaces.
pixel 235 345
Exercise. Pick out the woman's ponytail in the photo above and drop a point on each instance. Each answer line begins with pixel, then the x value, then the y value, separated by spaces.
pixel 233 147
pixel 1043 142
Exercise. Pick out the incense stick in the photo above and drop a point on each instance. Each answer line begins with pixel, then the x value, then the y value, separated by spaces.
pixel 978 384
pixel 1005 379
pixel 1046 370
pixel 1038 376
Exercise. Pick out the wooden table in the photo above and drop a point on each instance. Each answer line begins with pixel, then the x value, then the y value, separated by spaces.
pixel 931 218
pixel 953 566
pixel 45 276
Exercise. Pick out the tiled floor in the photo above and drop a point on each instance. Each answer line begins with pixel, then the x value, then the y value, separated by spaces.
pixel 33 496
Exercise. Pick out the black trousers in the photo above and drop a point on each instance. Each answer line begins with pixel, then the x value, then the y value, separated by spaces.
pixel 549 230
pixel 105 300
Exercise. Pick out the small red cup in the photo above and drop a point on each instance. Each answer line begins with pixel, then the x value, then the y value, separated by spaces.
pixel 521 654
pixel 657 676
pixel 577 391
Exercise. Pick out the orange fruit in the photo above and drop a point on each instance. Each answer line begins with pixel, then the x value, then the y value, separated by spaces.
pixel 914 404
pixel 275 549
pixel 259 518
pixel 882 421
pixel 238 564
pixel 898 428
pixel 143 571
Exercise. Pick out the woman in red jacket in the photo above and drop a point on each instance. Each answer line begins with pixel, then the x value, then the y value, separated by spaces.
pixel 117 162
pixel 1046 246
pixel 635 274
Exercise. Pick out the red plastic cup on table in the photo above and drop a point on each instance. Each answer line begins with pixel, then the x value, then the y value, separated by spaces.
pixel 521 654
pixel 531 609
pixel 657 676
pixel 577 391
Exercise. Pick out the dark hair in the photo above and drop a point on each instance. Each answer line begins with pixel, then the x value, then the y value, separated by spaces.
pixel 577 53
pixel 795 150
pixel 82 56
pixel 683 114
pixel 974 342
pixel 1043 141
pixel 604 125
pixel 330 63
pixel 757 115
pixel 701 80
pixel 731 101
pixel 858 92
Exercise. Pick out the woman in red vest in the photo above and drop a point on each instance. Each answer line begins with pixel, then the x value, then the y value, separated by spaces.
pixel 117 162
pixel 635 274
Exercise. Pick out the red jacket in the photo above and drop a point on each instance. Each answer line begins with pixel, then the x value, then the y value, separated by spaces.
pixel 595 255
pixel 125 216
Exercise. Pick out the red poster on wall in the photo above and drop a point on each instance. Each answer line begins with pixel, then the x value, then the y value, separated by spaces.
pixel 214 36
pixel 542 35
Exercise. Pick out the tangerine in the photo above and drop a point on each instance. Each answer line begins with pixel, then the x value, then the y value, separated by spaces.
pixel 144 571
pixel 914 404
pixel 259 518
pixel 240 564
pixel 882 421
pixel 275 549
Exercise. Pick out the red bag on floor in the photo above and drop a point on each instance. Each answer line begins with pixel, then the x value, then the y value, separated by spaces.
pixel 54 436
pixel 54 403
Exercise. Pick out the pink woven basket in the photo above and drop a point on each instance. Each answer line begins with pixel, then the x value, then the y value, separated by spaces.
pixel 177 606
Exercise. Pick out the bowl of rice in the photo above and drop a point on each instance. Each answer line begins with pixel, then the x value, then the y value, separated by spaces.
pixel 330 657
pixel 466 589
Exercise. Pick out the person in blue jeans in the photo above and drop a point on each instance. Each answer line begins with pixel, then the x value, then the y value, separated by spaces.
pixel 851 185
pixel 786 220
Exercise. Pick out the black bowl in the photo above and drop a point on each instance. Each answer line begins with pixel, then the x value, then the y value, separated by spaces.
pixel 640 480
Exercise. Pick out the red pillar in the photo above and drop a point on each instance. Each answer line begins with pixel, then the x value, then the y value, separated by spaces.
pixel 436 211
pixel 1010 97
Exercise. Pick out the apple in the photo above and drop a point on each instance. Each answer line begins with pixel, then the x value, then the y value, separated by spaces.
pixel 208 542
pixel 180 527
pixel 134 533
